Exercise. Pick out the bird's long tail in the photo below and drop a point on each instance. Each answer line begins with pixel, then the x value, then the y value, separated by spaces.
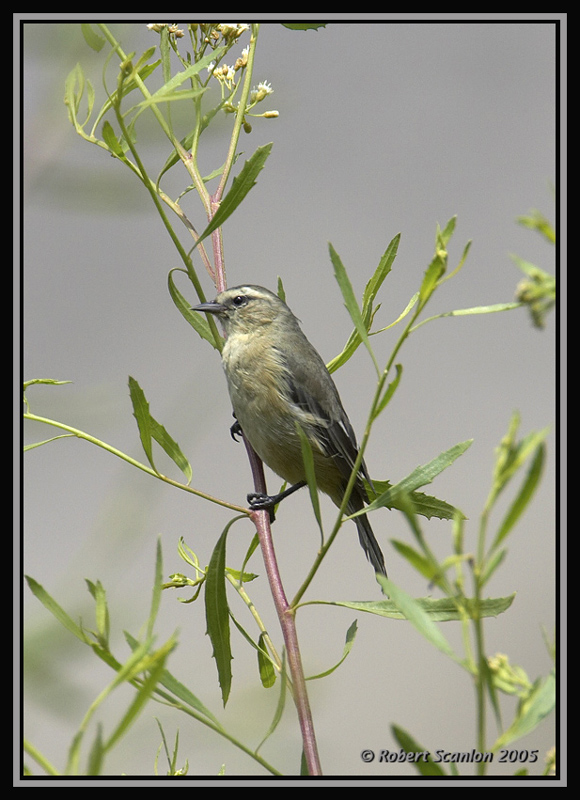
pixel 369 542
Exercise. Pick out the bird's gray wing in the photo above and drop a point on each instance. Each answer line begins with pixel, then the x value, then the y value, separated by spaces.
pixel 333 428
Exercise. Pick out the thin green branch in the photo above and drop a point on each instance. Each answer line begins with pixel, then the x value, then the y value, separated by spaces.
pixel 109 448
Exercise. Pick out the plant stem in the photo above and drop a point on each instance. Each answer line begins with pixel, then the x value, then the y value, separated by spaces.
pixel 286 615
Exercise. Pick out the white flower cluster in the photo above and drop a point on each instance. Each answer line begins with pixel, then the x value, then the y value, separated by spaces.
pixel 173 29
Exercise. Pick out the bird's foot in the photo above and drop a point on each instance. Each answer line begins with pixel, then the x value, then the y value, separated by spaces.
pixel 263 502
pixel 236 430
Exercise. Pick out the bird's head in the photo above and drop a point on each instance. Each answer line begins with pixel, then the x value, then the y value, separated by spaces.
pixel 245 309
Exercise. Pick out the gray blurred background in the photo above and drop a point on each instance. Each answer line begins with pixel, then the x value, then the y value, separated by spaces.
pixel 385 126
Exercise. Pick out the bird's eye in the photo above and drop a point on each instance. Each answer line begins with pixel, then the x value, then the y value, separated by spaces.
pixel 239 300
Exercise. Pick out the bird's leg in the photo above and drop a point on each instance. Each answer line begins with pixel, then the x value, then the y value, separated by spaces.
pixel 259 501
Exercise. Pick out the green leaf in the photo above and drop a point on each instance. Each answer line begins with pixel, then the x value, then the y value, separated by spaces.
pixel 59 613
pixel 165 50
pixel 350 637
pixel 96 753
pixel 410 745
pixel 523 497
pixel 443 609
pixel 415 613
pixel 389 392
pixel 368 311
pixel 461 312
pixel 447 232
pixel 155 665
pixel 180 77
pixel 195 319
pixel 438 265
pixel 423 504
pixel 186 696
pixel 511 454
pixel 350 300
pixel 280 704
pixel 128 86
pixel 181 692
pixel 217 614
pixel 417 616
pixel 304 26
pixel 491 564
pixel 169 97
pixel 46 441
pixel 150 429
pixel 141 414
pixel 101 611
pixel 417 560
pixel 111 140
pixel 531 711
pixel 410 305
pixel 157 588
pixel 73 89
pixel 536 221
pixel 265 666
pixel 241 185
pixel 171 447
pixel 92 38
pixel 419 477
pixel 381 272
pixel 49 381
pixel 433 275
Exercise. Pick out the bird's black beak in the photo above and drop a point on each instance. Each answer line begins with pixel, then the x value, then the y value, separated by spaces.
pixel 209 308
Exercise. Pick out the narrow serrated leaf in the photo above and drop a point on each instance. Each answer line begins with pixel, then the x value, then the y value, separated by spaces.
pixel 423 504
pixel 381 272
pixel 368 310
pixel 241 185
pixel 349 298
pixel 420 476
pixel 150 429
pixel 171 447
pixel 141 414
pixel 217 614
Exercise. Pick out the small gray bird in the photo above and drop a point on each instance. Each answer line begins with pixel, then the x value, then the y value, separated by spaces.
pixel 275 379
